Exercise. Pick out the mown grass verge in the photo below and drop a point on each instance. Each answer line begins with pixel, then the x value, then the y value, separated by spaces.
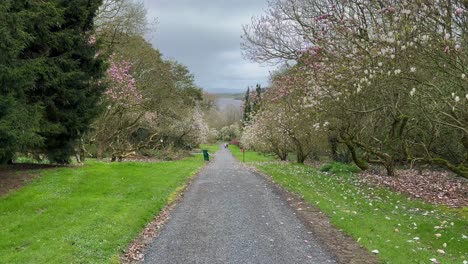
pixel 250 156
pixel 87 214
pixel 212 148
pixel 401 229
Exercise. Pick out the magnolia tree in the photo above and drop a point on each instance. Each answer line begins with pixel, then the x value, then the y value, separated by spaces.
pixel 389 75
pixel 266 133
pixel 129 124
pixel 123 112
pixel 186 132
pixel 200 127
pixel 150 103
pixel 409 71
pixel 230 132
pixel 289 118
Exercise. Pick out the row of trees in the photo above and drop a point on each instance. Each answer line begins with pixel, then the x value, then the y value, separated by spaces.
pixel 223 119
pixel 384 80
pixel 77 77
pixel 226 123
pixel 151 103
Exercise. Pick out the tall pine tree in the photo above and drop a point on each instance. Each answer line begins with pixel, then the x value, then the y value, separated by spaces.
pixel 256 102
pixel 51 73
pixel 247 108
pixel 19 118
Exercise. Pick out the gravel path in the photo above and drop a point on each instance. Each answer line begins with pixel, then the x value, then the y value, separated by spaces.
pixel 230 215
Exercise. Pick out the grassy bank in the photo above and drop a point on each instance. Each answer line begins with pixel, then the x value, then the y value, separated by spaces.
pixel 401 229
pixel 86 214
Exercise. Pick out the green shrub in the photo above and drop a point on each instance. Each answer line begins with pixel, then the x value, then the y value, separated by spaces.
pixel 338 167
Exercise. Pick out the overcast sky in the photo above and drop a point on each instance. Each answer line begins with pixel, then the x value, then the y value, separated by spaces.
pixel 205 36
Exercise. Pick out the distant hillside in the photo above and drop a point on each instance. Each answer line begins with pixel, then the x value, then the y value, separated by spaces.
pixel 234 96
pixel 225 90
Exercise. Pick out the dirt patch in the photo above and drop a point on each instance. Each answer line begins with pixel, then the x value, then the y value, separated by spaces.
pixel 343 247
pixel 13 177
pixel 436 187
pixel 135 251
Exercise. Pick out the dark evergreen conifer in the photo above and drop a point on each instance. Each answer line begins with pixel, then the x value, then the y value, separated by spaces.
pixel 48 74
pixel 247 108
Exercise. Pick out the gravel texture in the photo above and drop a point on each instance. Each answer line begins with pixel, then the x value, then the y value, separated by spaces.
pixel 231 215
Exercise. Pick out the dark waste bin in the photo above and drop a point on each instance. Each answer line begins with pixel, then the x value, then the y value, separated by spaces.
pixel 206 156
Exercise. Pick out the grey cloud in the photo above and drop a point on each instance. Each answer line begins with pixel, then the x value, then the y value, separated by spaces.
pixel 205 36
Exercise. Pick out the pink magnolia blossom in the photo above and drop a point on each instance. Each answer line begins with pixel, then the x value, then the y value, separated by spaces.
pixel 92 40
pixel 122 85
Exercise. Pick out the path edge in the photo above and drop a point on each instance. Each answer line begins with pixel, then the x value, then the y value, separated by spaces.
pixel 343 247
pixel 135 251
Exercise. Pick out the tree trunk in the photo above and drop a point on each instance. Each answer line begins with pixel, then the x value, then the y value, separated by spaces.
pixel 78 158
pixel 82 154
pixel 387 160
pixel 360 163
pixel 333 147
pixel 99 152
pixel 460 170
pixel 283 157
pixel 301 157
pixel 390 167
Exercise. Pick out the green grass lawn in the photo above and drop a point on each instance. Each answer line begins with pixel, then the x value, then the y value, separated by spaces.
pixel 401 229
pixel 250 156
pixel 212 148
pixel 86 214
